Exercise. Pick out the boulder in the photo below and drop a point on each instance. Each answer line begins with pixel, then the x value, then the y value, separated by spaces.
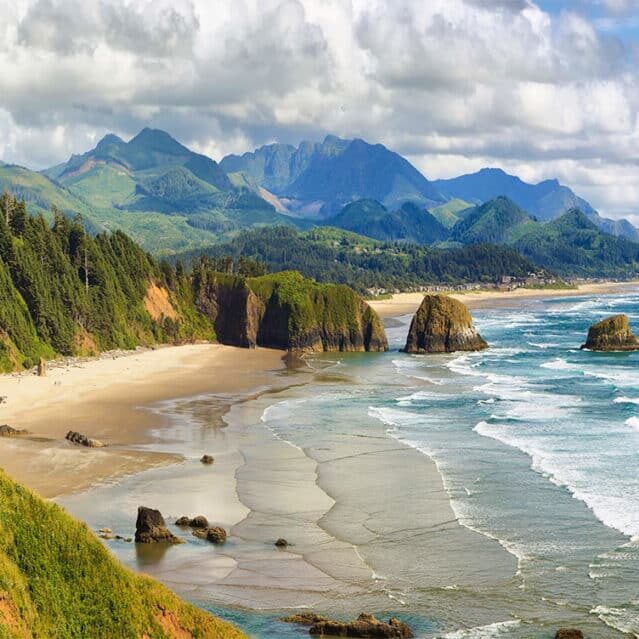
pixel 10 431
pixel 365 626
pixel 569 633
pixel 42 367
pixel 442 325
pixel 304 619
pixel 215 534
pixel 207 459
pixel 197 522
pixel 83 440
pixel 281 543
pixel 611 334
pixel 150 528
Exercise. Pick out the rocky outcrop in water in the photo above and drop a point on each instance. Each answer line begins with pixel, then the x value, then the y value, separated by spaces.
pixel 569 633
pixel 611 334
pixel 150 528
pixel 442 325
pixel 83 440
pixel 365 626
pixel 200 521
pixel 207 459
pixel 10 431
pixel 285 310
pixel 214 534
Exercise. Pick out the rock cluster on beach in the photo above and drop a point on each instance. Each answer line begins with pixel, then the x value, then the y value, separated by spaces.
pixel 365 625
pixel 150 528
pixel 443 325
pixel 611 334
pixel 83 440
pixel 202 529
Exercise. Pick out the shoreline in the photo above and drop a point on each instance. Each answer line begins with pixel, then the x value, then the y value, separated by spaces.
pixel 405 303
pixel 107 398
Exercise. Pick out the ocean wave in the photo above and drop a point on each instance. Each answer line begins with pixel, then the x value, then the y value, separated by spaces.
pixel 633 421
pixel 280 411
pixel 621 619
pixel 545 345
pixel 491 631
pixel 414 369
pixel 558 364
pixel 626 400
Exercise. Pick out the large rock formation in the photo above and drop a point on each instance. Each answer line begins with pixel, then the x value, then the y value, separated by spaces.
pixel 285 310
pixel 150 528
pixel 365 626
pixel 442 325
pixel 611 334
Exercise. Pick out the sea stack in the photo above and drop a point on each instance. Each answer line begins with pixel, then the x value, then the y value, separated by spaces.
pixel 443 325
pixel 611 334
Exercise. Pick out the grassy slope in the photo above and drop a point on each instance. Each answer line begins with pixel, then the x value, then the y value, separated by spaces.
pixel 58 580
pixel 447 214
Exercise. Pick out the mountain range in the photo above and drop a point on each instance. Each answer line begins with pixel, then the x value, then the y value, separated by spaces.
pixel 172 200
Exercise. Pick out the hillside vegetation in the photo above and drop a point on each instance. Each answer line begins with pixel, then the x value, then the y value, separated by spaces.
pixel 332 255
pixel 58 580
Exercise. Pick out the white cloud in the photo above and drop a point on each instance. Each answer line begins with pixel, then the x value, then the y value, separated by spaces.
pixel 453 84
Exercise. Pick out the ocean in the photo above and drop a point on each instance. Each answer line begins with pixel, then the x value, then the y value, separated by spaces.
pixel 536 526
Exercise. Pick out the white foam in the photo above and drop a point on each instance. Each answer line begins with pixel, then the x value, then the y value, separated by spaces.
pixel 491 631
pixel 414 369
pixel 558 364
pixel 620 619
pixel 633 421
pixel 626 400
pixel 278 412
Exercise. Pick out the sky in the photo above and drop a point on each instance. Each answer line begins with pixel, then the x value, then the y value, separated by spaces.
pixel 542 89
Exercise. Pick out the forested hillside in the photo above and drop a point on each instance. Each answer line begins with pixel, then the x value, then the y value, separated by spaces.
pixel 332 255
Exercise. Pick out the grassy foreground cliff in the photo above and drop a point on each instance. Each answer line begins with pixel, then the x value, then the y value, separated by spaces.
pixel 58 580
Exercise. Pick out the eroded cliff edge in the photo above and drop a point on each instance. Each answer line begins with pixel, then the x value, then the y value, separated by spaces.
pixel 285 310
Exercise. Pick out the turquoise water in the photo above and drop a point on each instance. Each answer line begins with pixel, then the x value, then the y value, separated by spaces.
pixel 537 443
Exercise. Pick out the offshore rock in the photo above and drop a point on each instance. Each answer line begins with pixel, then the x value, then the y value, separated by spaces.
pixel 611 334
pixel 83 440
pixel 365 626
pixel 10 431
pixel 215 534
pixel 150 528
pixel 200 521
pixel 443 325
pixel 304 618
pixel 569 633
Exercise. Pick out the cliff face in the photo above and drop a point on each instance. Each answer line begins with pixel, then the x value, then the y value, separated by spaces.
pixel 442 325
pixel 612 334
pixel 287 311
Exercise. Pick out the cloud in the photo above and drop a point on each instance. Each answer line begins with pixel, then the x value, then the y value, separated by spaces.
pixel 454 84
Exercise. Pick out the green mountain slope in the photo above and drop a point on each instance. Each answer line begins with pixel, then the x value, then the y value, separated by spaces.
pixel 58 580
pixel 572 244
pixel 499 221
pixel 448 213
pixel 154 175
pixel 409 222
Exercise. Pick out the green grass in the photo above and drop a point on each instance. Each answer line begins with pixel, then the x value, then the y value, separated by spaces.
pixel 58 580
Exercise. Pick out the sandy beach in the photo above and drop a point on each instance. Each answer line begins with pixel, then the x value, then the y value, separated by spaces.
pixel 104 399
pixel 404 303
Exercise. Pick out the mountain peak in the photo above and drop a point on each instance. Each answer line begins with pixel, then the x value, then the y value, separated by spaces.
pixel 157 140
pixel 108 140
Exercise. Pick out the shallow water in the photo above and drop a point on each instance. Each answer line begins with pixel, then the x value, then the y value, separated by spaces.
pixel 536 442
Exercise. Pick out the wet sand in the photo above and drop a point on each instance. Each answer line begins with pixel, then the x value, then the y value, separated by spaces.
pixel 405 303
pixel 104 398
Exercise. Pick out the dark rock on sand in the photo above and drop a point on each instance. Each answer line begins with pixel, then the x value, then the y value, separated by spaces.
pixel 42 367
pixel 442 325
pixel 197 522
pixel 304 619
pixel 83 440
pixel 569 633
pixel 281 543
pixel 611 334
pixel 10 431
pixel 207 459
pixel 365 626
pixel 150 528
pixel 214 534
